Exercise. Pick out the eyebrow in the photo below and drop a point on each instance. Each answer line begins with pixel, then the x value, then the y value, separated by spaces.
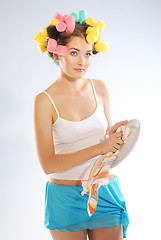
pixel 79 50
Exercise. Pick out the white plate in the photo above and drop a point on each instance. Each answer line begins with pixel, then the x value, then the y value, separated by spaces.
pixel 127 147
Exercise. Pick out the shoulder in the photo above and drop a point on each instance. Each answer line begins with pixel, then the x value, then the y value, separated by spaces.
pixel 42 101
pixel 42 112
pixel 101 87
pixel 102 90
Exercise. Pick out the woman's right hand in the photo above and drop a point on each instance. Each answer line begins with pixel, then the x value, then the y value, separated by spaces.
pixel 112 143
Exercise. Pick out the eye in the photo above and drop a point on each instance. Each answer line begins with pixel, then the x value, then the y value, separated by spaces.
pixel 73 53
pixel 88 54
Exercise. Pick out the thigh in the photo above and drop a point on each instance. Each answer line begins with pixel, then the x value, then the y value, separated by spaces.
pixel 78 235
pixel 106 233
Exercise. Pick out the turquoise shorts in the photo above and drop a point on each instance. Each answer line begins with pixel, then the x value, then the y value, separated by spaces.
pixel 66 208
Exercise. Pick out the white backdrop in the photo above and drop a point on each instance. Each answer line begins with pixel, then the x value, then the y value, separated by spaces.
pixel 132 70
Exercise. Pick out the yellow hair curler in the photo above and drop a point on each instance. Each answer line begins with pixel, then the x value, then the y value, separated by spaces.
pixel 90 21
pixel 40 39
pixel 101 47
pixel 44 32
pixel 42 48
pixel 54 22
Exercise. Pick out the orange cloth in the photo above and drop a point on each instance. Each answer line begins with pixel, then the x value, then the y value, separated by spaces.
pixel 98 173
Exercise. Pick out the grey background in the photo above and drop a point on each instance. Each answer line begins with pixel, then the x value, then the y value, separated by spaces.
pixel 131 69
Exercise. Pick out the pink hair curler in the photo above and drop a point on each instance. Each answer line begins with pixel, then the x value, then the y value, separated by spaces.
pixel 61 26
pixel 57 49
pixel 58 15
pixel 66 23
pixel 61 50
pixel 70 24
pixel 52 45
pixel 64 18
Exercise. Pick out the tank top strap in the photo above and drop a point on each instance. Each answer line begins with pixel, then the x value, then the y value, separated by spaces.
pixel 94 90
pixel 52 102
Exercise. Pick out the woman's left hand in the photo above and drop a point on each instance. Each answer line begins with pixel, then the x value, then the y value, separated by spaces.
pixel 116 126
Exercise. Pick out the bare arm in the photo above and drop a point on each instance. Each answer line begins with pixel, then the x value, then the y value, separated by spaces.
pixel 64 161
pixel 106 104
pixel 49 161
pixel 103 91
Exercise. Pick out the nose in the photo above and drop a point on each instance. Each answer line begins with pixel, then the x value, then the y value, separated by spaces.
pixel 81 60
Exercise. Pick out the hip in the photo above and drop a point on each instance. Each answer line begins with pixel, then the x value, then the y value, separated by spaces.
pixel 70 182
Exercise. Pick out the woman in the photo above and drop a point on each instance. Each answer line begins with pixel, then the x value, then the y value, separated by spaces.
pixel 71 118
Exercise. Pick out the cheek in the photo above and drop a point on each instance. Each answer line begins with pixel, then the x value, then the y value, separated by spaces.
pixel 66 61
pixel 88 61
pixel 69 61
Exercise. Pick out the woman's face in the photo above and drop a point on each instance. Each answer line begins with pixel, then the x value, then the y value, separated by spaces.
pixel 78 58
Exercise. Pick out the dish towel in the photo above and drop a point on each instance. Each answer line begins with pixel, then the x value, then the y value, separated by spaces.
pixel 98 173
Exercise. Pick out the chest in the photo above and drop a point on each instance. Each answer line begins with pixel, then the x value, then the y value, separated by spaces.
pixel 81 132
pixel 76 108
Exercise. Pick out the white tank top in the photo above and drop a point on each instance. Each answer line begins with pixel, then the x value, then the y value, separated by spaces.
pixel 72 136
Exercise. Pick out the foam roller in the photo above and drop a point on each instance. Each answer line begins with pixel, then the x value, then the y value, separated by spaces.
pixel 54 22
pixel 58 15
pixel 99 38
pixel 42 48
pixel 101 47
pixel 93 30
pixel 91 38
pixel 40 39
pixel 61 26
pixel 101 25
pixel 90 21
pixel 61 50
pixel 44 32
pixel 64 18
pixel 70 24
pixel 82 16
pixel 54 48
pixel 52 45
pixel 74 14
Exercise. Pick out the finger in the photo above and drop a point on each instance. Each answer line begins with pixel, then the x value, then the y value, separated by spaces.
pixel 117 146
pixel 113 150
pixel 120 141
pixel 124 122
pixel 119 134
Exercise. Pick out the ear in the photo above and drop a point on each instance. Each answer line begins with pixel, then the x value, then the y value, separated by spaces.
pixel 56 56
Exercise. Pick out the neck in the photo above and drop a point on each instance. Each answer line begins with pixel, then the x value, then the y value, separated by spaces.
pixel 69 84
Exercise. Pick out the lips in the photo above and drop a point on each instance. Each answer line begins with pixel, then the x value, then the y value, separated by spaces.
pixel 79 69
